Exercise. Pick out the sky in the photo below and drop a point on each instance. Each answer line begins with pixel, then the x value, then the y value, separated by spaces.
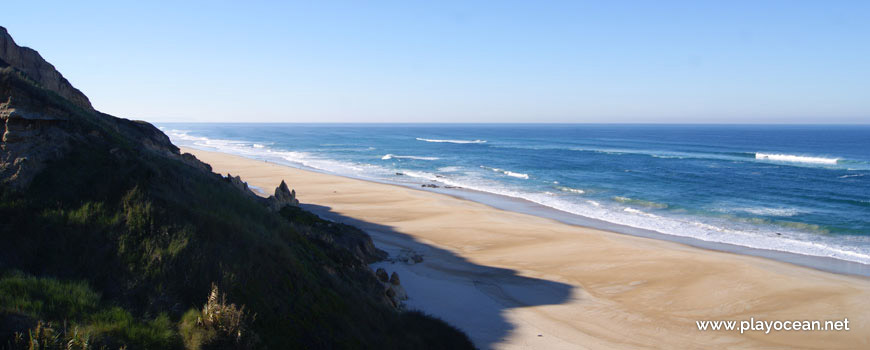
pixel 459 61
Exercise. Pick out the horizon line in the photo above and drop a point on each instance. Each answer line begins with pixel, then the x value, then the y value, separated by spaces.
pixel 503 123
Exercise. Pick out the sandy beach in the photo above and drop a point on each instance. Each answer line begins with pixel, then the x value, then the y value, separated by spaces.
pixel 517 281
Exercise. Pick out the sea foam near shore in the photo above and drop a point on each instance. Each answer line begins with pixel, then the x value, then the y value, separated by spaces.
pixel 698 191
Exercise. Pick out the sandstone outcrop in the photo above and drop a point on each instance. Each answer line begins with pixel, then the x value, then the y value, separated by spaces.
pixel 283 196
pixel 42 115
pixel 30 139
pixel 35 67
pixel 37 128
pixel 393 289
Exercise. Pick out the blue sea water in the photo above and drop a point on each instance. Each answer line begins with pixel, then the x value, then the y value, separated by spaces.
pixel 797 189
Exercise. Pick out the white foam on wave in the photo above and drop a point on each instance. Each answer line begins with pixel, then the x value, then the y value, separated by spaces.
pixel 183 138
pixel 758 237
pixel 795 158
pixel 632 210
pixel 393 156
pixel 451 141
pixel 262 151
pixel 571 190
pixel 710 229
pixel 312 161
pixel 734 156
pixel 666 157
pixel 850 175
pixel 516 175
pixel 508 172
pixel 449 169
pixel 639 212
pixel 765 211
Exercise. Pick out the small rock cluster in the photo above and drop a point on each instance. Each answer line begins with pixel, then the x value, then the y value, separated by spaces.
pixel 392 287
pixel 436 186
pixel 407 256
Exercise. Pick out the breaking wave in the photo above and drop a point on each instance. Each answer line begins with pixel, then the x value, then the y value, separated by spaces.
pixel 764 211
pixel 570 190
pixel 393 156
pixel 786 159
pixel 751 224
pixel 795 158
pixel 508 172
pixel 451 141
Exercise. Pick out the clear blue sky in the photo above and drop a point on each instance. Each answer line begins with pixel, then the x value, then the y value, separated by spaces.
pixel 463 61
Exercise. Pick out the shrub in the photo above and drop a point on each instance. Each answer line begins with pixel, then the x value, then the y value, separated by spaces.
pixel 219 324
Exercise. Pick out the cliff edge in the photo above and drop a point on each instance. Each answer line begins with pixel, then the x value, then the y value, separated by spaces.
pixel 31 63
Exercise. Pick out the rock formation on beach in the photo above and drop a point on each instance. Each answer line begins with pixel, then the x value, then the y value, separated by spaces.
pixel 283 196
pixel 392 287
pixel 408 256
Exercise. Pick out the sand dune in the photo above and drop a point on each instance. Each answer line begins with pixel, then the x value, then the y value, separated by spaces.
pixel 516 281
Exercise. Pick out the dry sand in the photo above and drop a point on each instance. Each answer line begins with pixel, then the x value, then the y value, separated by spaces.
pixel 517 281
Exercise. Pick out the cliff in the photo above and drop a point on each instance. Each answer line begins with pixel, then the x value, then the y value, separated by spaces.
pixel 113 239
pixel 43 73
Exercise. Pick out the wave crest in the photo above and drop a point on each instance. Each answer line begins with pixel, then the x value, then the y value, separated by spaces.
pixel 795 158
pixel 393 156
pixel 765 211
pixel 451 141
pixel 570 190
pixel 508 172
pixel 640 202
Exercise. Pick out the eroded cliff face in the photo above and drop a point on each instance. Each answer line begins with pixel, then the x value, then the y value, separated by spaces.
pixel 35 67
pixel 32 133
pixel 21 158
pixel 42 116
pixel 38 126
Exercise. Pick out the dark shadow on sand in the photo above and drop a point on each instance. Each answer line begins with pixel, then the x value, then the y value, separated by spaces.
pixel 504 286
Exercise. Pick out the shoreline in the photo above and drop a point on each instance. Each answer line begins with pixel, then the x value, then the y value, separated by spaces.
pixel 636 284
pixel 523 206
pixel 526 206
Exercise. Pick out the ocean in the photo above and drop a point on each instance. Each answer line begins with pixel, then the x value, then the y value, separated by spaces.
pixel 796 189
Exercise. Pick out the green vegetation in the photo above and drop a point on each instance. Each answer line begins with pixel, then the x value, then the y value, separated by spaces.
pixel 117 244
pixel 46 297
pixel 87 323
pixel 218 323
